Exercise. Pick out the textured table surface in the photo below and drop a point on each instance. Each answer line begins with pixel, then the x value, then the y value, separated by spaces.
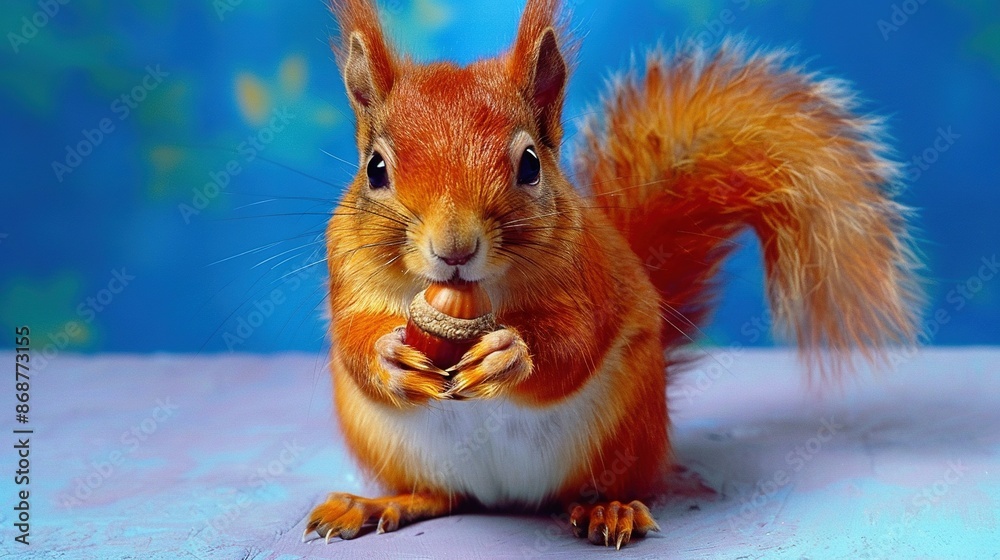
pixel 223 457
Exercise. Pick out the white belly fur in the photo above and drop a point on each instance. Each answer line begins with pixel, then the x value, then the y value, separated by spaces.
pixel 496 451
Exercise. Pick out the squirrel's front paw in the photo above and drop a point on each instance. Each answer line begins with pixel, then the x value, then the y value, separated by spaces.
pixel 499 360
pixel 406 373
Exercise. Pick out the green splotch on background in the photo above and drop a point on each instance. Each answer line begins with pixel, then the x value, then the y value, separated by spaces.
pixel 48 306
pixel 984 40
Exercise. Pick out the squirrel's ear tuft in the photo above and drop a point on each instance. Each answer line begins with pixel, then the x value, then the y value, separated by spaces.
pixel 368 64
pixel 539 67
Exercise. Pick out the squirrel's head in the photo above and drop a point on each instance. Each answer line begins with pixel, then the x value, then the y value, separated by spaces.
pixel 459 166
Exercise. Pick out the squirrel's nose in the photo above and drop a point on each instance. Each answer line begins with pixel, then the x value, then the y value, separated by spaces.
pixel 456 256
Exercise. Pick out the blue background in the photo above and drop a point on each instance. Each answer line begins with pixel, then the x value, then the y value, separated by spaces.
pixel 245 272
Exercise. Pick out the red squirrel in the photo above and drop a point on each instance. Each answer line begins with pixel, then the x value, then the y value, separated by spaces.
pixel 594 288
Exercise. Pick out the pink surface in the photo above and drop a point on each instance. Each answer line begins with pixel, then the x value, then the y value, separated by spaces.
pixel 223 457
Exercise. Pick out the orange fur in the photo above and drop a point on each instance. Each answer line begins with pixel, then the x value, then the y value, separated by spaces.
pixel 590 288
pixel 716 142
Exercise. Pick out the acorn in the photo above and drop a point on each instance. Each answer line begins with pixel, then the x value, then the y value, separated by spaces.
pixel 447 319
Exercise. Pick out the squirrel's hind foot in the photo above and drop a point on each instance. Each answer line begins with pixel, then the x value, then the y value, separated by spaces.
pixel 612 523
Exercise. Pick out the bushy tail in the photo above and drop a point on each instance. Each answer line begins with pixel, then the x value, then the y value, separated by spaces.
pixel 704 145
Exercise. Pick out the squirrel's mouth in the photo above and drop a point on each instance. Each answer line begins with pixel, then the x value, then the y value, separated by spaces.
pixel 460 273
pixel 445 263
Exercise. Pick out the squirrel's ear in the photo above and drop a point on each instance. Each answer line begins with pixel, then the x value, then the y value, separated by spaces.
pixel 537 64
pixel 549 83
pixel 359 76
pixel 368 64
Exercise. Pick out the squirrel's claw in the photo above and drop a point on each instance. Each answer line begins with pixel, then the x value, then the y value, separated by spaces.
pixel 406 373
pixel 497 362
pixel 612 523
pixel 344 515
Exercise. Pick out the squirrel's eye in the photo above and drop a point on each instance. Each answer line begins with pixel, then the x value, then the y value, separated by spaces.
pixel 378 173
pixel 529 168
